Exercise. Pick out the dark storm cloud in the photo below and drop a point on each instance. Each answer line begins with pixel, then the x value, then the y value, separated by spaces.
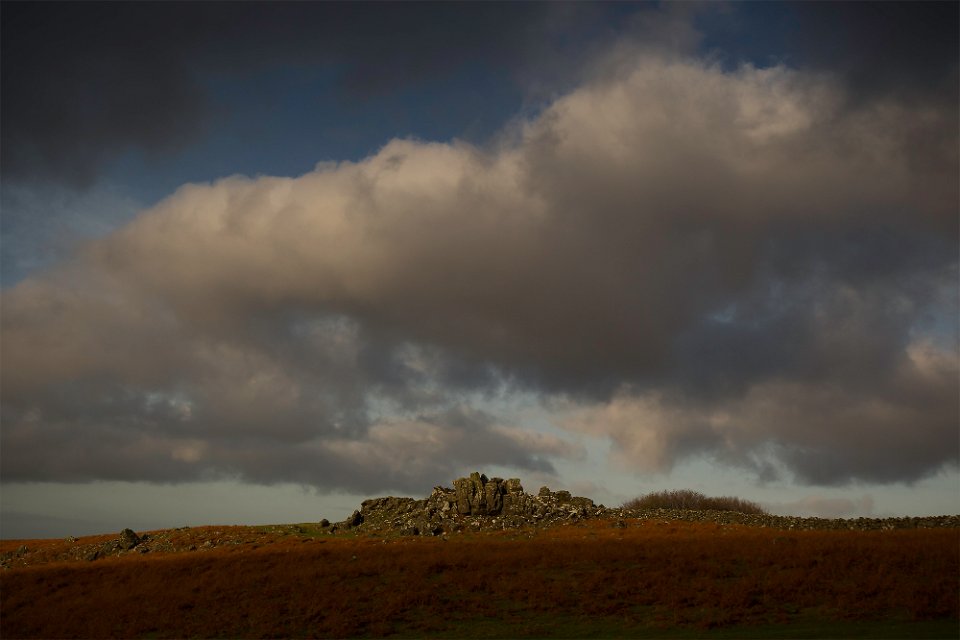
pixel 683 259
pixel 830 375
pixel 905 48
pixel 795 321
pixel 410 455
pixel 85 82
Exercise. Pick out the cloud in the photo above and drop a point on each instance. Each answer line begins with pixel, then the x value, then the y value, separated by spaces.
pixel 904 48
pixel 697 260
pixel 72 106
pixel 826 431
pixel 83 85
pixel 71 103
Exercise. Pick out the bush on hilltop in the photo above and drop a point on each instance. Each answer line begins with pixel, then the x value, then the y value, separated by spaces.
pixel 693 500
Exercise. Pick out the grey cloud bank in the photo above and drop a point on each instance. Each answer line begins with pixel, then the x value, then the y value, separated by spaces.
pixel 683 259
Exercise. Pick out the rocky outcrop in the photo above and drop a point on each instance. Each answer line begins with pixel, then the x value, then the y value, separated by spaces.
pixel 473 503
pixel 128 540
pixel 478 503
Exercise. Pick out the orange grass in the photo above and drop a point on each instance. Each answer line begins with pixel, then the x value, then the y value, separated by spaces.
pixel 649 574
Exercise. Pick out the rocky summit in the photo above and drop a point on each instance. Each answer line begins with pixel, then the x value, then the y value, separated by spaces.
pixel 474 503
pixel 478 503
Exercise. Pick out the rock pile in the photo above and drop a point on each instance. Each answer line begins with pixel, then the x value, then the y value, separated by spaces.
pixel 474 503
pixel 127 541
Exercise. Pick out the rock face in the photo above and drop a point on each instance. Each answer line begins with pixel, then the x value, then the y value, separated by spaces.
pixel 479 496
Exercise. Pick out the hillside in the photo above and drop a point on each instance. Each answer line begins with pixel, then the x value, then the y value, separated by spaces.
pixel 604 574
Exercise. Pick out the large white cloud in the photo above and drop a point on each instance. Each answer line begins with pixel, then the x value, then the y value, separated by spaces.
pixel 666 215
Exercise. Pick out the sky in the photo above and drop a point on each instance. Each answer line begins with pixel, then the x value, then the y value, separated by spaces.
pixel 260 262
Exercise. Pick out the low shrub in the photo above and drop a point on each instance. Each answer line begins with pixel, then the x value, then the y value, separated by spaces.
pixel 694 500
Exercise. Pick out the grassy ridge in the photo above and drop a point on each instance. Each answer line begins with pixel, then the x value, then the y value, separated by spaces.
pixel 651 579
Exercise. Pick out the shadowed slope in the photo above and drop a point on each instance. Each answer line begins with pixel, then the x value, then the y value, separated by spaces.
pixel 641 577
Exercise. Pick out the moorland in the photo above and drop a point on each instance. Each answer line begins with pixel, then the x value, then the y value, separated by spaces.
pixel 591 579
pixel 643 577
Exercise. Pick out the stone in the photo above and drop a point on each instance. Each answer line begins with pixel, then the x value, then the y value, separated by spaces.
pixel 128 539
pixel 470 495
pixel 481 496
pixel 493 496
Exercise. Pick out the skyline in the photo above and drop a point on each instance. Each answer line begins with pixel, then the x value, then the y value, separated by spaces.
pixel 313 253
